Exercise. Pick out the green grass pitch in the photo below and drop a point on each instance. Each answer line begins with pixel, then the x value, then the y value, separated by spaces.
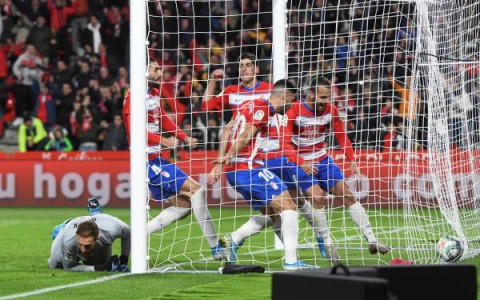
pixel 25 248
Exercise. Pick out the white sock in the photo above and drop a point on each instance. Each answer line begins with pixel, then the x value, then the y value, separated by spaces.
pixel 320 225
pixel 201 213
pixel 290 235
pixel 167 217
pixel 317 219
pixel 359 217
pixel 306 212
pixel 251 227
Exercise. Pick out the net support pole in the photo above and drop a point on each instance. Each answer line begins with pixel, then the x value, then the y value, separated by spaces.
pixel 138 177
pixel 279 13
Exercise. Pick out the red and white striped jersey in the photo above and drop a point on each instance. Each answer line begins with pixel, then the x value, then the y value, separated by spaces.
pixel 234 95
pixel 157 121
pixel 306 131
pixel 256 112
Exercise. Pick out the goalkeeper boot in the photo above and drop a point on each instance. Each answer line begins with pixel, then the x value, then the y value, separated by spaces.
pixel 218 252
pixel 93 206
pixel 298 266
pixel 377 247
pixel 230 249
pixel 56 229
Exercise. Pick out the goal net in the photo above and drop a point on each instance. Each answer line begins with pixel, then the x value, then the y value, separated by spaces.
pixel 405 81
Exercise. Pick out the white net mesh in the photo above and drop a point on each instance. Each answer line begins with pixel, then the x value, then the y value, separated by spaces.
pixel 405 82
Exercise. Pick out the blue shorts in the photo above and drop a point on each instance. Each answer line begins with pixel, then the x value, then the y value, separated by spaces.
pixel 165 179
pixel 329 174
pixel 287 171
pixel 257 186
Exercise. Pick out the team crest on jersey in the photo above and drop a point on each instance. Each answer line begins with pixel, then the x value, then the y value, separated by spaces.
pixel 283 120
pixel 68 257
pixel 273 185
pixel 258 115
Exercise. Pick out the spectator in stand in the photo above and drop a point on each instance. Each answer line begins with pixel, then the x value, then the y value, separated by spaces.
pixel 59 76
pixel 28 70
pixel 73 124
pixel 392 136
pixel 105 79
pixel 106 106
pixel 82 79
pixel 58 141
pixel 32 135
pixel 34 8
pixel 92 34
pixel 45 109
pixel 42 37
pixel 88 127
pixel 64 104
pixel 59 13
pixel 78 23
pixel 123 79
pixel 116 136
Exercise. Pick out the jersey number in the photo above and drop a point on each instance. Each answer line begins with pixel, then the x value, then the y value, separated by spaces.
pixel 266 175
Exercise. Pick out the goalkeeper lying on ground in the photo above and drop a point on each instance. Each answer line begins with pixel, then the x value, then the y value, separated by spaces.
pixel 85 243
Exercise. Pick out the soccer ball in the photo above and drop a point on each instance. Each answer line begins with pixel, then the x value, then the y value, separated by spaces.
pixel 449 248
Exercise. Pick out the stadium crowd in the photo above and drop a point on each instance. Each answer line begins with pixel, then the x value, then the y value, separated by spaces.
pixel 66 63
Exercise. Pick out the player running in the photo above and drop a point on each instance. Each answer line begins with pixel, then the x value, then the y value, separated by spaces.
pixel 309 121
pixel 167 183
pixel 246 173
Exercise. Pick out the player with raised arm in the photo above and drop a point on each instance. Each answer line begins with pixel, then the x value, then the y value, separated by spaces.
pixel 309 121
pixel 230 99
pixel 85 244
pixel 246 173
pixel 167 183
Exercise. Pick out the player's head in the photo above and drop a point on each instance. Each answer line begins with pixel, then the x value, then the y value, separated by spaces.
pixel 248 68
pixel 87 236
pixel 285 92
pixel 320 92
pixel 154 72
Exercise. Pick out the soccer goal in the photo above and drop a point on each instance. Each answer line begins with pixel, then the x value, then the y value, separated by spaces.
pixel 405 78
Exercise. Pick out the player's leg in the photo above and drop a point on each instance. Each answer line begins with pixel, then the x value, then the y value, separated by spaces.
pixel 55 259
pixel 288 172
pixel 317 213
pixel 198 200
pixel 174 209
pixel 313 210
pixel 332 180
pixel 160 177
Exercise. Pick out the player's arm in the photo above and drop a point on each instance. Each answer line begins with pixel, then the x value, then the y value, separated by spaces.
pixel 242 140
pixel 211 102
pixel 70 262
pixel 344 141
pixel 122 231
pixel 152 137
pixel 214 174
pixel 287 148
pixel 172 128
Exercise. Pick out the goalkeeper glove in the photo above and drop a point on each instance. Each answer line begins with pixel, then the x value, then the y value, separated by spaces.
pixel 123 264
pixel 112 264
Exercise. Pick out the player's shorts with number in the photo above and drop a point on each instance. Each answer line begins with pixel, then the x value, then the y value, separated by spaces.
pixel 257 186
pixel 328 174
pixel 165 179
